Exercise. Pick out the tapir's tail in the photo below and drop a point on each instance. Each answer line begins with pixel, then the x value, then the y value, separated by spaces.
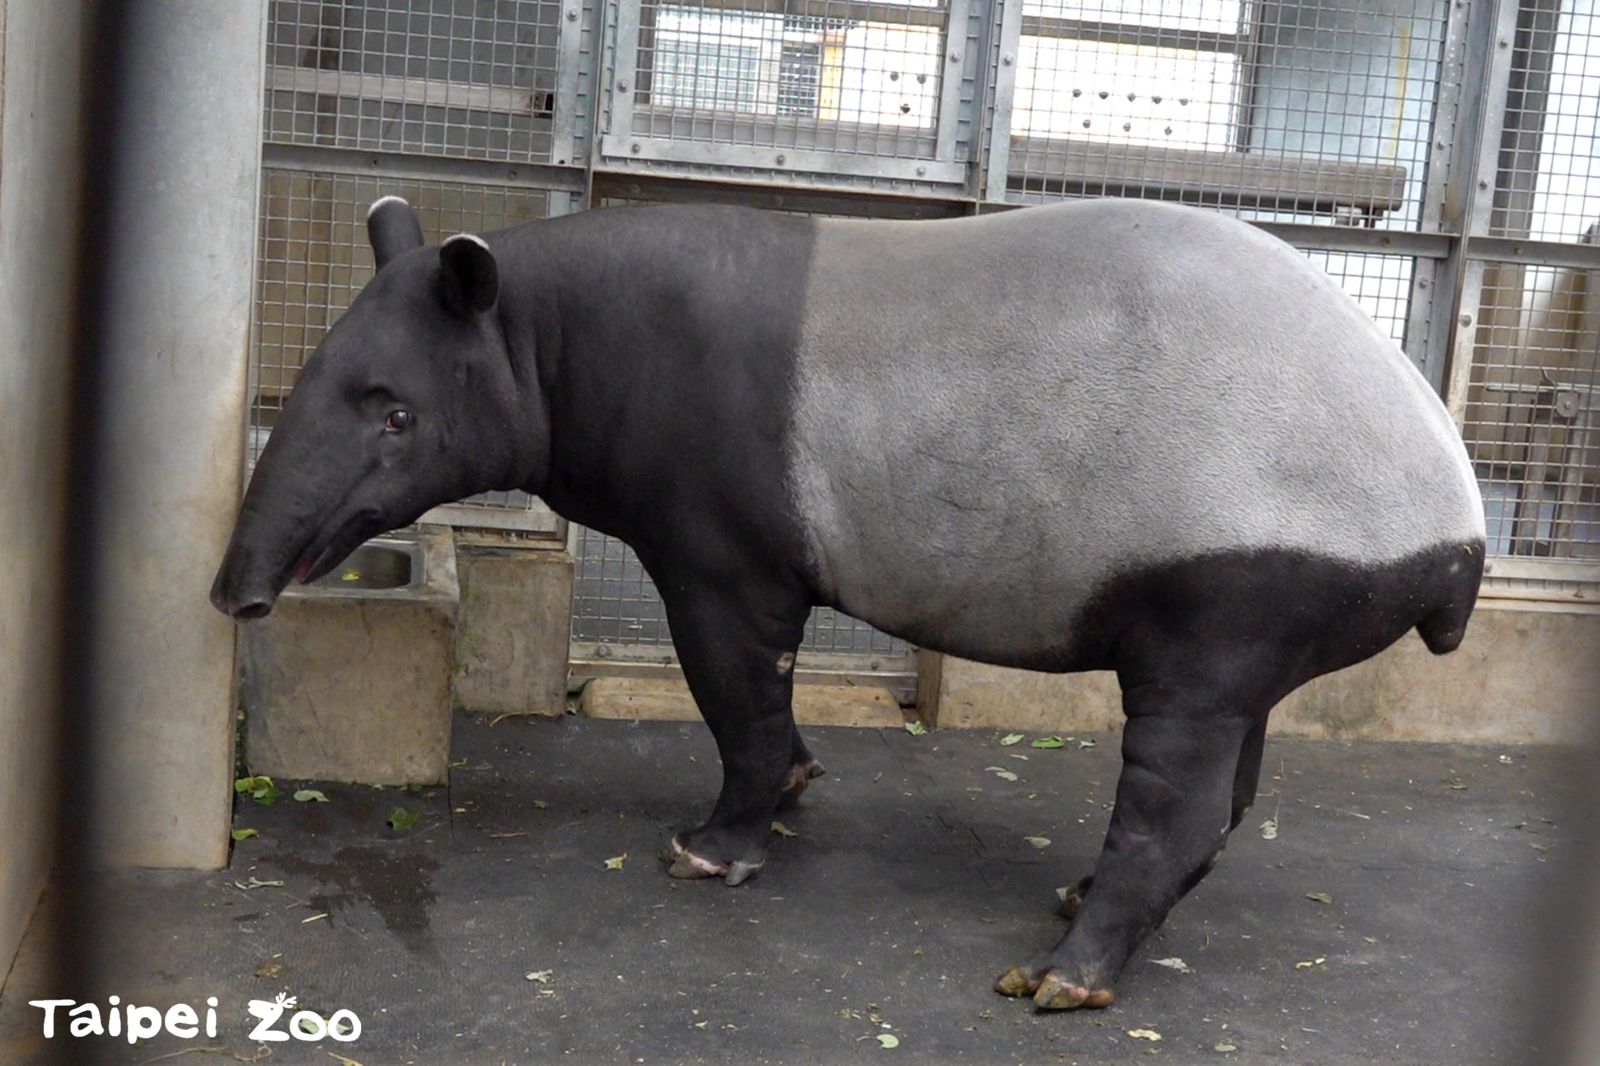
pixel 1443 628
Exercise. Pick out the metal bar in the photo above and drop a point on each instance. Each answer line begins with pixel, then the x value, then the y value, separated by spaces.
pixel 399 90
pixel 1534 253
pixel 955 42
pixel 1360 239
pixel 624 58
pixel 1129 35
pixel 997 147
pixel 787 159
pixel 1469 198
pixel 565 117
pixel 1527 568
pixel 407 166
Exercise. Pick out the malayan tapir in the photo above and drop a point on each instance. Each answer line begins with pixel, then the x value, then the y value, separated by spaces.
pixel 1110 435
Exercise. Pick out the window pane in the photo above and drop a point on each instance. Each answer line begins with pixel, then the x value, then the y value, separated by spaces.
pixel 1212 16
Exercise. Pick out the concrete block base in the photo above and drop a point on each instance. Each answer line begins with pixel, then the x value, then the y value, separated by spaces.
pixel 632 697
pixel 516 616
pixel 1526 673
pixel 343 683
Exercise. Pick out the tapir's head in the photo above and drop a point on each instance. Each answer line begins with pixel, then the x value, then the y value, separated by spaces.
pixel 410 401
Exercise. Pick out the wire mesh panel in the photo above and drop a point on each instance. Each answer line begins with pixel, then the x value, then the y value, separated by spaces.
pixel 1548 187
pixel 1531 422
pixel 614 602
pixel 1292 111
pixel 459 78
pixel 314 259
pixel 866 87
pixel 1381 284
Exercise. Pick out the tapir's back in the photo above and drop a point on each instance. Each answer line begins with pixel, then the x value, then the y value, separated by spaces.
pixel 995 417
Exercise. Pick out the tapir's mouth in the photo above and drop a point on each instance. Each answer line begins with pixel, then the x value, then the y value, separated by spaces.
pixel 328 552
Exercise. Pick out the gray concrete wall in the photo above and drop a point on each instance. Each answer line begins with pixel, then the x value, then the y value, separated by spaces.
pixel 40 71
pixel 1526 673
pixel 181 242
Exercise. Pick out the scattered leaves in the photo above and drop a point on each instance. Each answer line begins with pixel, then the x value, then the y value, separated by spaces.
pixel 541 805
pixel 1319 897
pixel 1061 893
pixel 1038 842
pixel 1318 961
pixel 1225 1046
pixel 1174 963
pixel 260 789
pixel 1086 743
pixel 310 795
pixel 243 834
pixel 255 883
pixel 1001 772
pixel 402 818
pixel 888 1040
pixel 1144 1034
pixel 916 729
pixel 1458 785
pixel 1048 742
pixel 1010 739
pixel 541 976
pixel 616 861
pixel 783 830
pixel 1269 829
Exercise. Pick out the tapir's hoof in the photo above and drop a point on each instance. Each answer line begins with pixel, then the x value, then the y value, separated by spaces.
pixel 683 863
pixel 1016 982
pixel 800 776
pixel 1057 993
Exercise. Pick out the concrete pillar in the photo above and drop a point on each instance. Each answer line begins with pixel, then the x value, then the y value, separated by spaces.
pixel 180 248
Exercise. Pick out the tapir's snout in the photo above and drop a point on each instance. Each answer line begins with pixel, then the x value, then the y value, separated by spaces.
pixel 236 595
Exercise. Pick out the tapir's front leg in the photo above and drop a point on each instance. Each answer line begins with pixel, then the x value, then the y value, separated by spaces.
pixel 736 641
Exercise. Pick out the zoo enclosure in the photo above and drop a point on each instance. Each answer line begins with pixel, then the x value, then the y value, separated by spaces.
pixel 1437 158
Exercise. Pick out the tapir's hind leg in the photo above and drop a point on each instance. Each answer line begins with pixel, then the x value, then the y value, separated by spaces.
pixel 736 641
pixel 1182 749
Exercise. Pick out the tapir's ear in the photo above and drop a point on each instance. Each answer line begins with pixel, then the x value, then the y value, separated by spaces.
pixel 392 227
pixel 471 276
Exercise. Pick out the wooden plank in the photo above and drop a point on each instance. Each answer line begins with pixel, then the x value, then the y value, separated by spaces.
pixel 1084 167
pixel 397 90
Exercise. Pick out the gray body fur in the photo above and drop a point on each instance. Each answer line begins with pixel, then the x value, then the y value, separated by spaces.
pixel 1097 387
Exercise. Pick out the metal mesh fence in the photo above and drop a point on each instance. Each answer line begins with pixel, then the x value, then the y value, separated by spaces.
pixel 614 602
pixel 440 77
pixel 314 259
pixel 1548 187
pixel 1531 423
pixel 1283 111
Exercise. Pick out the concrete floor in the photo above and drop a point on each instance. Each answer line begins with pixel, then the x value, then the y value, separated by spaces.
pixel 908 887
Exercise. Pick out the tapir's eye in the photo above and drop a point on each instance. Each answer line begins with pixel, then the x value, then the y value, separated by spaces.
pixel 398 419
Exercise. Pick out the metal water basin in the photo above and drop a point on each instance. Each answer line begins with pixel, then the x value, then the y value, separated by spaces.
pixel 377 564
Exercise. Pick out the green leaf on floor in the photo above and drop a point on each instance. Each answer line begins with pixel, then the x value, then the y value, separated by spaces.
pixel 1173 963
pixel 1010 739
pixel 1319 897
pixel 261 789
pixel 916 729
pixel 255 883
pixel 783 830
pixel 1048 742
pixel 1145 1034
pixel 888 1040
pixel 1038 842
pixel 310 795
pixel 1269 829
pixel 1001 772
pixel 1225 1046
pixel 402 819
pixel 1089 743
pixel 243 834
pixel 616 861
